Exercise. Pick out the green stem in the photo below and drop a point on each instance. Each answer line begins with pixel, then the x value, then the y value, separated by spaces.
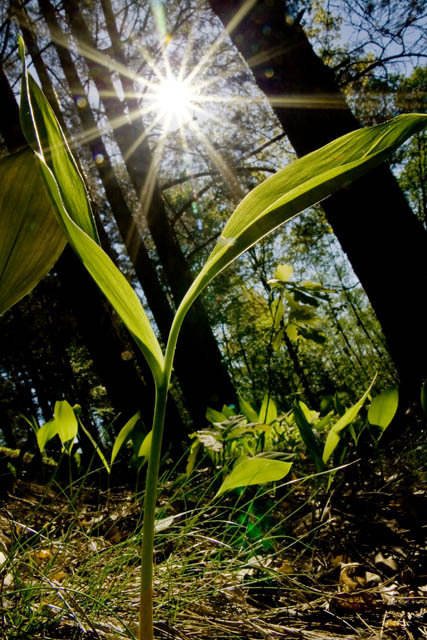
pixel 145 631
pixel 146 597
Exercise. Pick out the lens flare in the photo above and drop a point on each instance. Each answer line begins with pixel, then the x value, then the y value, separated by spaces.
pixel 173 100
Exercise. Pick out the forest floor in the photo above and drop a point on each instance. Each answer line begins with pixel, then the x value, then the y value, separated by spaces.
pixel 296 561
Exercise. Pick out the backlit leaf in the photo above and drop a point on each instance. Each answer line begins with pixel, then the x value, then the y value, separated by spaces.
pixel 334 434
pixel 145 448
pixel 46 433
pixel 30 238
pixel 247 410
pixel 215 416
pixel 292 332
pixel 254 471
pixel 45 136
pixel 299 185
pixel 268 412
pixel 66 421
pixel 383 408
pixel 284 272
pixel 98 449
pixel 123 435
pixel 39 122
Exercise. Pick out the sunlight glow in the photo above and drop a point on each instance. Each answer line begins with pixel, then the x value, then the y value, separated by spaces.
pixel 173 101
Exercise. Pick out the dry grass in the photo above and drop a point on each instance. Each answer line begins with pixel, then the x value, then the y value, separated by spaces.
pixel 289 562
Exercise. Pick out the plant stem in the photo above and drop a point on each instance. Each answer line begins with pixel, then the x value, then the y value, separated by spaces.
pixel 145 630
pixel 146 597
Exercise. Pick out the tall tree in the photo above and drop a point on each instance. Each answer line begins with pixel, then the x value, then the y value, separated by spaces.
pixel 372 220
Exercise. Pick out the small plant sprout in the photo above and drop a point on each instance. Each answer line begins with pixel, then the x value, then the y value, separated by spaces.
pixel 57 208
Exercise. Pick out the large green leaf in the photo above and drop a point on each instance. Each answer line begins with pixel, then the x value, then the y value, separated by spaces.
pixel 256 470
pixel 111 282
pixel 40 125
pixel 30 238
pixel 383 408
pixel 299 185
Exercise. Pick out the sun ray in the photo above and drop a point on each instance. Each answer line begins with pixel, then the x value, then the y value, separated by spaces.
pixel 234 22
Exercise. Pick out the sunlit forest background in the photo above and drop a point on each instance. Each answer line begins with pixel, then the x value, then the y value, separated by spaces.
pixel 171 128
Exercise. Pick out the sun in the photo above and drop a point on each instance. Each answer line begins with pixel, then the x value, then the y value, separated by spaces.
pixel 173 101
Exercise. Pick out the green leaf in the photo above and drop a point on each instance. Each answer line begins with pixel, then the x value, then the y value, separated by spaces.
pixel 66 421
pixel 31 240
pixel 268 412
pixel 299 185
pixel 277 312
pixel 292 332
pixel 315 335
pixel 301 296
pixel 310 415
pixel 247 410
pixel 278 339
pixel 96 447
pixel 334 434
pixel 383 408
pixel 284 272
pixel 215 416
pixel 46 433
pixel 145 448
pixel 123 435
pixel 45 136
pixel 303 418
pixel 228 411
pixel 109 279
pixel 191 461
pixel 252 471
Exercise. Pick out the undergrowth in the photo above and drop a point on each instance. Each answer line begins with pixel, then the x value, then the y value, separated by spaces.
pixel 70 565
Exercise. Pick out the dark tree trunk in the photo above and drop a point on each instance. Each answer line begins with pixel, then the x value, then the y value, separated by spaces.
pixel 197 349
pixel 384 241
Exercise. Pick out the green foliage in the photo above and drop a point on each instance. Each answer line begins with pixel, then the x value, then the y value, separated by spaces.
pixel 69 198
pixel 297 186
pixel 383 408
pixel 334 434
pixel 258 470
pixel 294 310
pixel 309 435
pixel 234 436
pixel 123 436
pixel 27 228
pixel 64 424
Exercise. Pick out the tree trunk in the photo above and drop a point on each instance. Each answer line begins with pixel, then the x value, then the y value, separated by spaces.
pixel 197 349
pixel 372 220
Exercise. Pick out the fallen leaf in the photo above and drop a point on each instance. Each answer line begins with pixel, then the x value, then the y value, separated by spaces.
pixel 353 602
pixel 388 565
